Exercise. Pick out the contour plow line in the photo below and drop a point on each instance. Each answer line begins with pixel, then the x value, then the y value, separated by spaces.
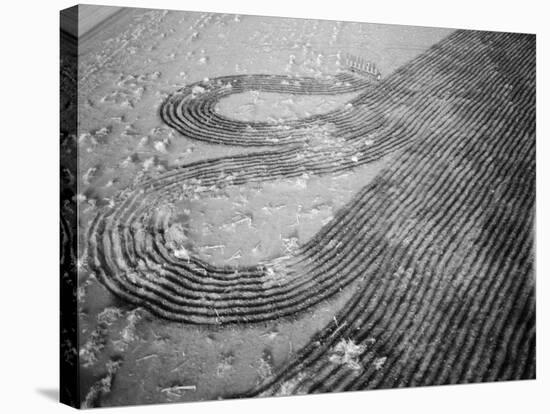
pixel 440 243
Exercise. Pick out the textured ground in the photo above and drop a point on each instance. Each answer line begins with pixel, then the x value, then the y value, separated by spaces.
pixel 255 218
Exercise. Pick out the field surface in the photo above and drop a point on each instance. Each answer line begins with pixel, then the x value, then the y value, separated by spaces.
pixel 281 206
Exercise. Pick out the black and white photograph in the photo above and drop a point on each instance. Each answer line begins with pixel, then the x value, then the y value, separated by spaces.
pixel 258 206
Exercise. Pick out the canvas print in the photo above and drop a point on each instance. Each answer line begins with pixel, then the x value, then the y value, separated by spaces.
pixel 263 206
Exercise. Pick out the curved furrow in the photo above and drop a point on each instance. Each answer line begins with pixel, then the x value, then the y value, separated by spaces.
pixel 439 244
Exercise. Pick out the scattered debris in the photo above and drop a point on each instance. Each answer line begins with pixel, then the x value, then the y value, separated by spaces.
pixel 347 352
pixel 89 352
pixel 145 358
pixel 197 90
pixel 103 386
pixel 178 390
pixel 235 256
pixel 128 334
pixel 290 387
pixel 182 253
pixel 379 363
pixel 265 367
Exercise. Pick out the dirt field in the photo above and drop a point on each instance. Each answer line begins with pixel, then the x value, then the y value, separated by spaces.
pixel 307 230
